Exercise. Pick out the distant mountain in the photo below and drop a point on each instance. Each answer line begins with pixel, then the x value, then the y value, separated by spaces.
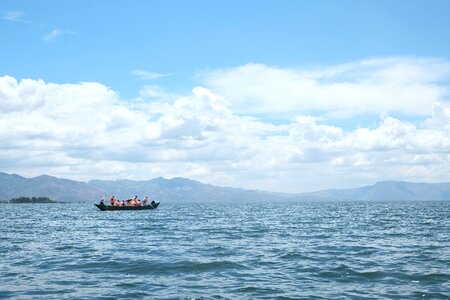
pixel 159 189
pixel 179 190
pixel 14 186
pixel 186 190
pixel 386 191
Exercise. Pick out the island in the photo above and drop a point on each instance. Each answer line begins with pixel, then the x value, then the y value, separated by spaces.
pixel 32 200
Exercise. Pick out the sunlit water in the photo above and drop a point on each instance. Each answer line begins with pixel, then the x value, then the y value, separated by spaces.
pixel 331 250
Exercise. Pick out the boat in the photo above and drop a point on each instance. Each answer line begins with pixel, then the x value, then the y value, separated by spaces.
pixel 103 207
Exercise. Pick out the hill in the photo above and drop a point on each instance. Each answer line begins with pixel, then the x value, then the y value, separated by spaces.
pixel 186 190
pixel 386 191
pixel 179 190
pixel 160 189
pixel 14 186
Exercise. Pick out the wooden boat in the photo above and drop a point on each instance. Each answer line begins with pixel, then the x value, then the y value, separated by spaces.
pixel 103 207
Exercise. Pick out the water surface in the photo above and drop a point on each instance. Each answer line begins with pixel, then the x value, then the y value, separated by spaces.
pixel 329 250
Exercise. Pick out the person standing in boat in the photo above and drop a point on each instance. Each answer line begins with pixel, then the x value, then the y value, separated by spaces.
pixel 144 202
pixel 111 200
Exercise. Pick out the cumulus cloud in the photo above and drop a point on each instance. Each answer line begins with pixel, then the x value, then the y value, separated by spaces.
pixel 440 117
pixel 85 130
pixel 405 85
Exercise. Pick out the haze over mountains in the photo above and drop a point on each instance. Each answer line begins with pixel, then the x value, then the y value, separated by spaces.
pixel 186 190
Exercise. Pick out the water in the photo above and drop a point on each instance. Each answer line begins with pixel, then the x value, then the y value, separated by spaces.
pixel 335 250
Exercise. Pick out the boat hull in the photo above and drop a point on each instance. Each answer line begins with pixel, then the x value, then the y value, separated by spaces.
pixel 109 207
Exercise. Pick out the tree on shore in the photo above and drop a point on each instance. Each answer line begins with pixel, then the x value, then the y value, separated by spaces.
pixel 32 200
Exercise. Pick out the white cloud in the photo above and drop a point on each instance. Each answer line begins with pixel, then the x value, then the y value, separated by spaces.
pixel 440 118
pixel 146 75
pixel 14 16
pixel 85 131
pixel 157 93
pixel 56 34
pixel 405 85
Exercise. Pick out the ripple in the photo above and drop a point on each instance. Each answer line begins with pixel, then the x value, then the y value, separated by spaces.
pixel 345 250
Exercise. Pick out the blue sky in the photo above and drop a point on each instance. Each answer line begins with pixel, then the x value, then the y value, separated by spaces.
pixel 304 78
pixel 104 40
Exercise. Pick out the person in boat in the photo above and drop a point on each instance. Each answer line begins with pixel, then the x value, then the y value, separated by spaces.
pixel 153 202
pixel 133 201
pixel 117 203
pixel 112 200
pixel 129 202
pixel 122 203
pixel 103 202
pixel 138 202
pixel 144 202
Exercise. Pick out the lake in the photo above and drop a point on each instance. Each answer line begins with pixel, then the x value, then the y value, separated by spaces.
pixel 305 250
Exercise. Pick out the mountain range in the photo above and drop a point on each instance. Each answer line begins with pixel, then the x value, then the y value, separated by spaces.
pixel 186 190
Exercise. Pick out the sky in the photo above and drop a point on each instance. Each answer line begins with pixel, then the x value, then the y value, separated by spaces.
pixel 286 96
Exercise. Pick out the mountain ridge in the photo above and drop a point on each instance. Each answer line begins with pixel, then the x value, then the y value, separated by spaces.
pixel 179 189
